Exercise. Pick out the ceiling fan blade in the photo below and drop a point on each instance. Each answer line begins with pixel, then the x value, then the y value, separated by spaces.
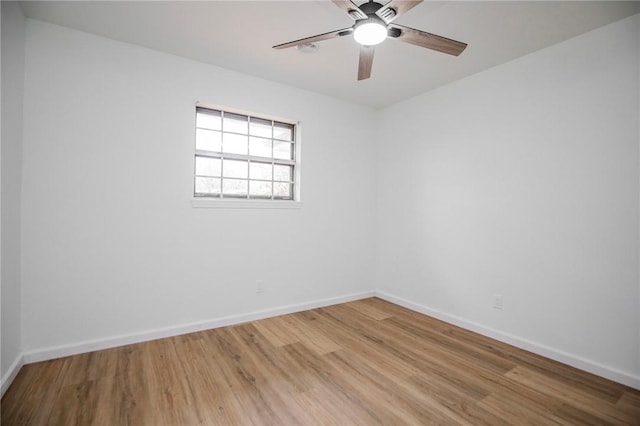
pixel 366 62
pixel 351 8
pixel 424 39
pixel 313 39
pixel 395 8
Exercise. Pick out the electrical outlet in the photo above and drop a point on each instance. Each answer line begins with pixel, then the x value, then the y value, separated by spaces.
pixel 259 286
pixel 497 301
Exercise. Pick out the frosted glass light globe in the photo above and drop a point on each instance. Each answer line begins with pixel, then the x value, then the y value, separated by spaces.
pixel 370 33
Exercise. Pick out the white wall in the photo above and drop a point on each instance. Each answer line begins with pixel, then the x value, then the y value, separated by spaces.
pixel 523 181
pixel 111 243
pixel 11 154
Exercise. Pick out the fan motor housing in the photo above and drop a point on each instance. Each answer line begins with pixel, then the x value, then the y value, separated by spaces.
pixel 370 7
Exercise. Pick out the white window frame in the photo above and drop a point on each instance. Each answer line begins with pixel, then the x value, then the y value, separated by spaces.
pixel 248 202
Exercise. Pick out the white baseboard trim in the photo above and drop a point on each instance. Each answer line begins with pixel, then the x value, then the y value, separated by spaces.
pixel 54 352
pixel 528 345
pixel 11 374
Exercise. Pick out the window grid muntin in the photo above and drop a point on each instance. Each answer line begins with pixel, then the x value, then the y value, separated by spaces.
pixel 272 161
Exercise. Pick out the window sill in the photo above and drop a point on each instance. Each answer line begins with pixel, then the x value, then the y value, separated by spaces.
pixel 244 204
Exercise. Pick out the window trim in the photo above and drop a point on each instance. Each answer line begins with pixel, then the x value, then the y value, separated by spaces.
pixel 243 203
pixel 249 203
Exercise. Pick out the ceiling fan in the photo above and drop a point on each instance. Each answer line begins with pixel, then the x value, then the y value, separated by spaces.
pixel 374 24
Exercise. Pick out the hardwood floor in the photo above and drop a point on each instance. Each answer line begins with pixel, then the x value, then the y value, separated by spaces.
pixel 366 362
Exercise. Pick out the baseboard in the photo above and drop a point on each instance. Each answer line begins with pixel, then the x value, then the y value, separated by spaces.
pixel 537 348
pixel 7 379
pixel 54 352
pixel 46 354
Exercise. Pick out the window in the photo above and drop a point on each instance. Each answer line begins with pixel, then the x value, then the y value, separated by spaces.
pixel 240 156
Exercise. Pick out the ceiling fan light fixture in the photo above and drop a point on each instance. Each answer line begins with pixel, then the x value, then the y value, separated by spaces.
pixel 373 24
pixel 370 31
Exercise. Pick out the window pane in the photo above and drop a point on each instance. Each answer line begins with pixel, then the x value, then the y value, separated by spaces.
pixel 283 131
pixel 234 144
pixel 235 169
pixel 282 172
pixel 236 123
pixel 208 166
pixel 260 127
pixel 208 119
pixel 283 150
pixel 207 186
pixel 260 189
pixel 234 187
pixel 208 140
pixel 260 171
pixel 260 147
pixel 282 190
pixel 240 156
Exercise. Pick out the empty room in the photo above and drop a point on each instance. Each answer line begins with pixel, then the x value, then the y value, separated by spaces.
pixel 320 212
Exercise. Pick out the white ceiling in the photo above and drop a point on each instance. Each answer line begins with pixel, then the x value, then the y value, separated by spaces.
pixel 238 35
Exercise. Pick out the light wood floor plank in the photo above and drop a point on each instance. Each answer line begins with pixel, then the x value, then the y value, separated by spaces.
pixel 276 330
pixel 629 402
pixel 575 416
pixel 122 400
pixel 599 387
pixel 459 349
pixel 367 362
pixel 320 343
pixel 516 413
pixel 360 338
pixel 369 310
pixel 400 401
pixel 570 395
pixel 36 385
pixel 444 394
pixel 270 359
pixel 244 379
pixel 332 389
